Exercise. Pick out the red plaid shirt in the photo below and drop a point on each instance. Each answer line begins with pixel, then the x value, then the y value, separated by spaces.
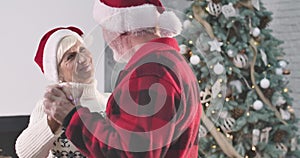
pixel 153 112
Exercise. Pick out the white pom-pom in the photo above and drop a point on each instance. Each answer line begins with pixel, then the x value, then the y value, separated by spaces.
pixel 183 49
pixel 218 69
pixel 257 105
pixel 255 32
pixel 278 71
pixel 187 24
pixel 282 63
pixel 230 53
pixel 169 24
pixel 265 83
pixel 195 59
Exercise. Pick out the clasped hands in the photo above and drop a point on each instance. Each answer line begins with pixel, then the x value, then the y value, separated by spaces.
pixel 59 100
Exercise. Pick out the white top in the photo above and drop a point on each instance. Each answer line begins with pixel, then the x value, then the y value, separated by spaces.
pixel 38 141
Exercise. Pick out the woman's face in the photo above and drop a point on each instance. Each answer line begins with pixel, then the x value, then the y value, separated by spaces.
pixel 76 65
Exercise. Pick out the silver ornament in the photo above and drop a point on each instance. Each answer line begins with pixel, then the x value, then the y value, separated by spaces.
pixel 240 60
pixel 214 8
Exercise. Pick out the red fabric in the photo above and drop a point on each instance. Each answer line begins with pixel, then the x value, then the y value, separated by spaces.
pixel 131 3
pixel 157 62
pixel 40 51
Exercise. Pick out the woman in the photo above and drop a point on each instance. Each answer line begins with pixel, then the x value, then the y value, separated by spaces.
pixel 63 58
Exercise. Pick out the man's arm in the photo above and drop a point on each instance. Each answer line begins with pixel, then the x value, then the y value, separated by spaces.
pixel 141 121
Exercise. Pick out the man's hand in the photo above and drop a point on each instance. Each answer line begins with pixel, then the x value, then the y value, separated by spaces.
pixel 57 105
pixel 52 124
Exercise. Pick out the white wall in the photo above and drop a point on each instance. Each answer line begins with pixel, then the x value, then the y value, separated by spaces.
pixel 286 27
pixel 22 25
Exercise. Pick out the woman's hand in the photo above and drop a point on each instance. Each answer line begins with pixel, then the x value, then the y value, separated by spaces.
pixel 52 124
pixel 56 104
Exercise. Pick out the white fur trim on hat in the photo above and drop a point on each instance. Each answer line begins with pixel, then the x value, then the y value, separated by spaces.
pixel 50 51
pixel 132 18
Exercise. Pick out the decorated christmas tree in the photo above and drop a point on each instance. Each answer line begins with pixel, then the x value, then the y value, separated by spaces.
pixel 243 77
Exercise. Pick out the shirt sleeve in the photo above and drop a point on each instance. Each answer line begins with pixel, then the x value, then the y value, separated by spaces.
pixel 140 121
pixel 37 139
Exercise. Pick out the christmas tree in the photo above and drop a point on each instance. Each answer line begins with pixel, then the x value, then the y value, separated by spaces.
pixel 242 74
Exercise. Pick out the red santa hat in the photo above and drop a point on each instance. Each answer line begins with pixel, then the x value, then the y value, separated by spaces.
pixel 46 55
pixel 128 15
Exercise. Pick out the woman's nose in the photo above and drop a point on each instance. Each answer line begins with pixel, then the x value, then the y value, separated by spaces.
pixel 82 59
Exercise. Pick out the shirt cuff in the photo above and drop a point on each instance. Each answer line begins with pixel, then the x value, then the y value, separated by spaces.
pixel 68 118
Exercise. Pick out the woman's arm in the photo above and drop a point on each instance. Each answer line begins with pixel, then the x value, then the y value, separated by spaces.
pixel 37 139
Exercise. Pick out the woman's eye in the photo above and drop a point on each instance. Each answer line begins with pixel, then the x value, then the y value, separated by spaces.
pixel 71 56
pixel 82 49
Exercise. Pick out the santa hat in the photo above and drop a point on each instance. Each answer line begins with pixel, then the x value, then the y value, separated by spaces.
pixel 46 55
pixel 128 15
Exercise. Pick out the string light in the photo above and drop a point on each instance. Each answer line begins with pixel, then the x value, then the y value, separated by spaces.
pixel 211 66
pixel 207 9
pixel 285 90
pixel 214 146
pixel 253 148
pixel 199 81
pixel 218 129
pixel 190 16
pixel 227 99
pixel 269 65
pixel 246 156
pixel 220 95
pixel 220 80
pixel 190 42
pixel 248 114
pixel 253 87
pixel 230 68
pixel 207 104
pixel 213 112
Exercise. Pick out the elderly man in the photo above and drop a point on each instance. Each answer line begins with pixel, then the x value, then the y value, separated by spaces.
pixel 154 110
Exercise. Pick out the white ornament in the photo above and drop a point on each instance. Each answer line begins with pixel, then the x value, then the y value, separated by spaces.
pixel 255 136
pixel 283 148
pixel 257 105
pixel 202 131
pixel 219 69
pixel 223 114
pixel 216 89
pixel 214 8
pixel 264 57
pixel 256 4
pixel 280 101
pixel 255 32
pixel 183 48
pixel 264 136
pixel 282 63
pixel 202 46
pixel 265 83
pixel 230 53
pixel 294 144
pixel 205 96
pixel 195 59
pixel 228 10
pixel 237 84
pixel 240 60
pixel 285 114
pixel 215 45
pixel 278 71
pixel 187 24
pixel 228 124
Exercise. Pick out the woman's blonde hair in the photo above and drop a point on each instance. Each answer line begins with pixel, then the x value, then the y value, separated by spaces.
pixel 65 44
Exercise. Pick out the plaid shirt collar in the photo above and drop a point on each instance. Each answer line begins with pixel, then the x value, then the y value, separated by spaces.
pixel 158 44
